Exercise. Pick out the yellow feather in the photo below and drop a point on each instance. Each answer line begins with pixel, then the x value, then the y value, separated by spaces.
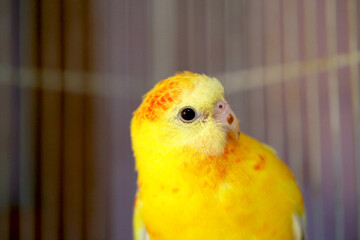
pixel 195 181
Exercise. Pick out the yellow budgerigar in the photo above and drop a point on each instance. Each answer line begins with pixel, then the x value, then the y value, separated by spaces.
pixel 199 177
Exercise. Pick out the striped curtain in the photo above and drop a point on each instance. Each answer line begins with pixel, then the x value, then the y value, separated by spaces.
pixel 73 71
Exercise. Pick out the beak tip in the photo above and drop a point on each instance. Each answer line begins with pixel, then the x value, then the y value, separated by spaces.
pixel 235 127
pixel 226 116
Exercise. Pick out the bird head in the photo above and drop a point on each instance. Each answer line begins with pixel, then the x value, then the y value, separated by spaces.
pixel 187 113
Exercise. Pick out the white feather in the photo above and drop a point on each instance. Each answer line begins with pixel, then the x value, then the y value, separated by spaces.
pixel 298 227
pixel 147 236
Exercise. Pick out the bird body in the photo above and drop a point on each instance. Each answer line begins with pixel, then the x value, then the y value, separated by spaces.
pixel 204 179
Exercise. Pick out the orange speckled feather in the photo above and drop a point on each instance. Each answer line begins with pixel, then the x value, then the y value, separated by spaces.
pixel 241 188
pixel 197 181
pixel 165 93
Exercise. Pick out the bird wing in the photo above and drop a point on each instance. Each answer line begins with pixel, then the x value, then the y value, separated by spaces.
pixel 139 229
pixel 141 234
pixel 298 220
pixel 299 230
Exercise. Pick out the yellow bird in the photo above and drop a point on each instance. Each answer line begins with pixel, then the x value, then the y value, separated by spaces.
pixel 199 177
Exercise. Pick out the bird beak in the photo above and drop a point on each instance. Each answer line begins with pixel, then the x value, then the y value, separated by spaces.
pixel 226 116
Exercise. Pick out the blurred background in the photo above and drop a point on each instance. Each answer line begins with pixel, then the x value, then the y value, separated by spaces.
pixel 73 71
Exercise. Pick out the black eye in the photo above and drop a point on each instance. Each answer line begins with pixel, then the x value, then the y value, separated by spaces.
pixel 187 114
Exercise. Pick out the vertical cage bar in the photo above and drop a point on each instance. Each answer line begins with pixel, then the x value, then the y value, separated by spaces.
pixel 331 36
pixel 273 91
pixel 233 77
pixel 73 117
pixel 313 140
pixel 28 124
pixel 291 89
pixel 215 35
pixel 51 114
pixel 197 28
pixel 256 36
pixel 164 39
pixel 5 121
pixel 182 60
pixel 14 126
pixel 98 197
pixel 346 124
pixel 354 78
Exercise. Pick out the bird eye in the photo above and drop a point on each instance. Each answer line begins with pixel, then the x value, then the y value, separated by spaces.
pixel 187 114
